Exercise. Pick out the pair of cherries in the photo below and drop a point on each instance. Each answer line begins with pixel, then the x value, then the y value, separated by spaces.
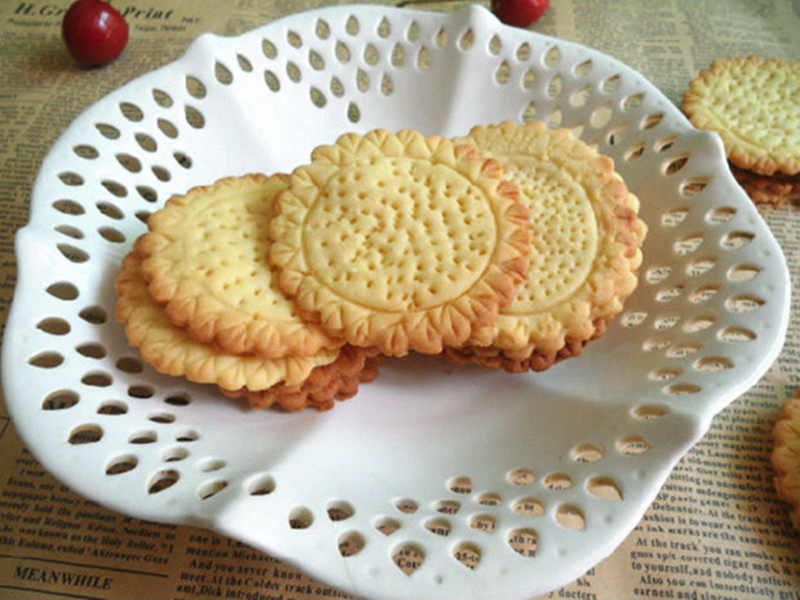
pixel 96 33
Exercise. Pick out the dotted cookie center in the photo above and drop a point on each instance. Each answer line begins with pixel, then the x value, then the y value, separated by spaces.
pixel 564 234
pixel 399 234
pixel 226 244
pixel 761 118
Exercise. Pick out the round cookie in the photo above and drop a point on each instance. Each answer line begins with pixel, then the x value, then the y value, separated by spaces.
pixel 205 260
pixel 173 351
pixel 586 240
pixel 786 456
pixel 401 242
pixel 753 104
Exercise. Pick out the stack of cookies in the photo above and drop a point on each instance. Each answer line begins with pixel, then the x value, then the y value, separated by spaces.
pixel 511 247
pixel 754 104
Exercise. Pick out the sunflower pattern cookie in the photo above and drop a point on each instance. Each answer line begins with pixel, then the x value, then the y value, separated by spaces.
pixel 754 104
pixel 205 260
pixel 400 242
pixel 586 239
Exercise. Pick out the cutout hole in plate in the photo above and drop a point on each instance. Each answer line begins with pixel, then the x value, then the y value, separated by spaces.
pixel 54 326
pixel 524 541
pixel 112 408
pixel 94 315
pixel 97 379
pixel 60 400
pixel 467 554
pixel 269 49
pixel 447 507
pixel 557 481
pixel 300 518
pixel 484 523
pixel 162 480
pixel 195 87
pixel 63 290
pixel 605 488
pixel 521 476
pixel 350 543
pixel 438 526
pixel 586 453
pixel 211 488
pixel 633 445
pixel 68 207
pixel 408 557
pixel 528 506
pixel 91 350
pixel 648 412
pixel 89 433
pixel 261 485
pixel 175 454
pixel 121 464
pixel 340 510
pixel 406 506
pixel 460 485
pixel 387 525
pixel 570 517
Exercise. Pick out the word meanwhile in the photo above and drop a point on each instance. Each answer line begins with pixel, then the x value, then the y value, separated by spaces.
pixel 64 578
pixel 51 10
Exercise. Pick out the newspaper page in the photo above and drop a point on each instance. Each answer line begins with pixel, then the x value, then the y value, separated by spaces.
pixel 716 530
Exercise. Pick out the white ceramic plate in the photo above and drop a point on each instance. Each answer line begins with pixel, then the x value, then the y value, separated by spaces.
pixel 481 483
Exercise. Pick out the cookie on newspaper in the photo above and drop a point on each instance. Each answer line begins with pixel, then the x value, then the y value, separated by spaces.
pixel 786 456
pixel 768 189
pixel 172 351
pixel 753 104
pixel 586 240
pixel 401 242
pixel 205 260
pixel 336 381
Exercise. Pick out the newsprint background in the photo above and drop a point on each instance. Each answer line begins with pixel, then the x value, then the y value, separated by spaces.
pixel 716 530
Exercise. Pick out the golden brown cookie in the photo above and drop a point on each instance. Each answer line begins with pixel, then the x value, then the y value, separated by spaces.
pixel 173 351
pixel 786 456
pixel 768 189
pixel 336 381
pixel 401 242
pixel 205 260
pixel 496 358
pixel 586 240
pixel 754 104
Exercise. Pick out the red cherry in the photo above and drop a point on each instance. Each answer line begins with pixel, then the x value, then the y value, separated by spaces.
pixel 94 32
pixel 520 13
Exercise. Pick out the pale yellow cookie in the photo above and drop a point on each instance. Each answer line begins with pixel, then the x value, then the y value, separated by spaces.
pixel 205 260
pixel 173 351
pixel 402 242
pixel 786 456
pixel 754 104
pixel 586 240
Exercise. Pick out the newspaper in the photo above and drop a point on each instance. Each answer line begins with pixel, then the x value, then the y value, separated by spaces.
pixel 715 531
